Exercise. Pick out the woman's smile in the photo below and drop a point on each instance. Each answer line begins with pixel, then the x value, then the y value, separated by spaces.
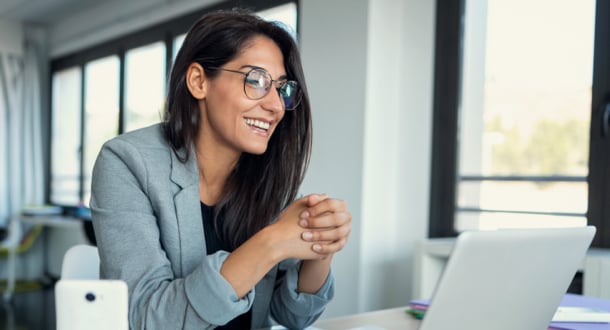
pixel 259 126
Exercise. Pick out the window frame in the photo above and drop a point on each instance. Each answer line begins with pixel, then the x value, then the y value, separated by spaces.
pixel 599 183
pixel 446 100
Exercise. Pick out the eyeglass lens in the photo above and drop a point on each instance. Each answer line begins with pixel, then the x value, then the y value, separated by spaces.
pixel 258 83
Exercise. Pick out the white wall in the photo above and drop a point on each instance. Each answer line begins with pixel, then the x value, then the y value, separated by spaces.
pixel 369 69
pixel 397 149
pixel 333 45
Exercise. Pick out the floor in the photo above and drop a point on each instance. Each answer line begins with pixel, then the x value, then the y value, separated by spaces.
pixel 33 307
pixel 31 310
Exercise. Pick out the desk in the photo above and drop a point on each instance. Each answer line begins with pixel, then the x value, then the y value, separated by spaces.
pixel 396 318
pixel 48 221
pixel 51 220
pixel 393 318
pixel 59 234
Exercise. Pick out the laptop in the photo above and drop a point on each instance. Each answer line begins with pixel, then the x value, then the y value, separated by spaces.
pixel 507 279
pixel 91 304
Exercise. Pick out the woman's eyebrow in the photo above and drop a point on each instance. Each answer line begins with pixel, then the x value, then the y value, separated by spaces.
pixel 282 77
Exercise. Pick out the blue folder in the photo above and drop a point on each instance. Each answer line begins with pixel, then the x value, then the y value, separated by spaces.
pixel 582 301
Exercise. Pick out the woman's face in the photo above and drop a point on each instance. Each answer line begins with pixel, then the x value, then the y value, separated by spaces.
pixel 229 119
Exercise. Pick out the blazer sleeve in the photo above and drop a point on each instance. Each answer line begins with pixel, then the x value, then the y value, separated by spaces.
pixel 129 240
pixel 293 309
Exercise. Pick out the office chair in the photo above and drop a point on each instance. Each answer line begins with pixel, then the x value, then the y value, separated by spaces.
pixel 83 300
pixel 81 262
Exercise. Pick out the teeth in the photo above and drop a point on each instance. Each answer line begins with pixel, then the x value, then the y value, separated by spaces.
pixel 257 123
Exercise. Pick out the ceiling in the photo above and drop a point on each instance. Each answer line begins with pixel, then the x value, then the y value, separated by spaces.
pixel 73 24
pixel 49 12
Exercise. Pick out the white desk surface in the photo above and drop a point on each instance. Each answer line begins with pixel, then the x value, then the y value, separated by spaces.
pixel 387 319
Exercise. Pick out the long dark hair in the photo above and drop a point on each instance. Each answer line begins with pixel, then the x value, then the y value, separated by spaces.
pixel 260 186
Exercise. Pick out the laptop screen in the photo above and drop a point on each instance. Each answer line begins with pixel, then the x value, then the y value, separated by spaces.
pixel 507 279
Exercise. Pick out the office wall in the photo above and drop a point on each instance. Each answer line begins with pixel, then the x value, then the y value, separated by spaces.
pixel 334 40
pixel 369 66
pixel 398 147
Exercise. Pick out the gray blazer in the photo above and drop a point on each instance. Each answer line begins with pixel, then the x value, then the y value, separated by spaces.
pixel 147 220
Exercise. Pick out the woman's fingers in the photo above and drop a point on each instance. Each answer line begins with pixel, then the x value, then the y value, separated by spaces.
pixel 314 199
pixel 329 220
pixel 326 249
pixel 331 234
pixel 324 206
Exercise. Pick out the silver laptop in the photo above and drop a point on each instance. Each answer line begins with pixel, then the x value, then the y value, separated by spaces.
pixel 507 279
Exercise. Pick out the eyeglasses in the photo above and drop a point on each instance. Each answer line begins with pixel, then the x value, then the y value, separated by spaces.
pixel 257 84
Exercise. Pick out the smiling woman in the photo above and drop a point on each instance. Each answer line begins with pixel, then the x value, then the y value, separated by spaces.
pixel 228 101
pixel 198 214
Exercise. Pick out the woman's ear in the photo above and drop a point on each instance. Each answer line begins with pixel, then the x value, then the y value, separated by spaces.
pixel 196 80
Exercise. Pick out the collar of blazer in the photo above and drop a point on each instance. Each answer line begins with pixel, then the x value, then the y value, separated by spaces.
pixel 184 174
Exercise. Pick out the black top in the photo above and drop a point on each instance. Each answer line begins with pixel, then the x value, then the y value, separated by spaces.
pixel 213 243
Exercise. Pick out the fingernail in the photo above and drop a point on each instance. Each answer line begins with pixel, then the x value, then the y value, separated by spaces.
pixel 307 235
pixel 304 215
pixel 317 247
pixel 304 223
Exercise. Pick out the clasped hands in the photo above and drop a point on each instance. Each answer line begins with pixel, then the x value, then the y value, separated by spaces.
pixel 314 227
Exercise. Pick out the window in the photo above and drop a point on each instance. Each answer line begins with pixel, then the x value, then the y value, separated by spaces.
pixel 511 140
pixel 144 85
pixel 524 114
pixel 66 136
pixel 114 88
pixel 177 44
pixel 101 112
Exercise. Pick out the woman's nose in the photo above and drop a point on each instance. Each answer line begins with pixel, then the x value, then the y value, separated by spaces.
pixel 273 101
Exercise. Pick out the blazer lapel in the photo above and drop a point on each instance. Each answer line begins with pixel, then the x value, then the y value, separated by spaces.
pixel 188 213
pixel 190 231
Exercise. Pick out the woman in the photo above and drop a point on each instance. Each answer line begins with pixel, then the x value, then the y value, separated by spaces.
pixel 198 214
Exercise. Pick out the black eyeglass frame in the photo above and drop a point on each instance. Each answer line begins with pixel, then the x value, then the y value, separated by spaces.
pixel 283 83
